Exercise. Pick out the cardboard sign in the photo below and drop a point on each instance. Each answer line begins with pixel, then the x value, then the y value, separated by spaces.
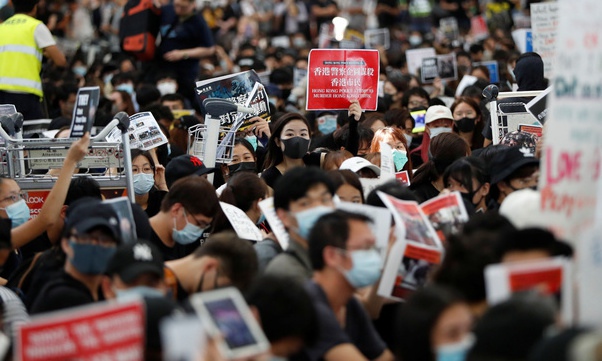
pixel 523 39
pixel 414 58
pixel 544 22
pixel 144 132
pixel 337 77
pixel 478 27
pixel 381 221
pixel 7 109
pixel 387 165
pixel 467 80
pixel 572 154
pixel 494 70
pixel 242 224
pixel 449 28
pixel 550 277
pixel 102 331
pixel 538 106
pixel 442 66
pixel 377 37
pixel 403 177
pixel 84 111
pixel 446 213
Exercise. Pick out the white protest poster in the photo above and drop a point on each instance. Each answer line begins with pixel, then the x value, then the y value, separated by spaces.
pixel 381 221
pixel 377 37
pixel 7 109
pixel 523 39
pixel 572 151
pixel 267 207
pixel 414 58
pixel 544 23
pixel 242 224
pixel 183 338
pixel 144 132
pixel 387 165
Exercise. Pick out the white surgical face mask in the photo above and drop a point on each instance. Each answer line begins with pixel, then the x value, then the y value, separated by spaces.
pixel 436 131
pixel 167 87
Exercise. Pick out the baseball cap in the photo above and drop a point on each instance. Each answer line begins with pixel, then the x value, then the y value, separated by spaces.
pixel 89 213
pixel 183 166
pixel 133 259
pixel 354 164
pixel 509 160
pixel 435 112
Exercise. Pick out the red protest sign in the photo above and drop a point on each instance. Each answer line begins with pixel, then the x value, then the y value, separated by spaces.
pixel 97 332
pixel 336 77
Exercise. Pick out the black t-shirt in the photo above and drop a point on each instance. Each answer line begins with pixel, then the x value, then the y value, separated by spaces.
pixel 358 330
pixel 176 252
pixel 155 198
pixel 62 292
pixel 39 244
pixel 386 20
pixel 424 192
pixel 272 174
pixel 322 4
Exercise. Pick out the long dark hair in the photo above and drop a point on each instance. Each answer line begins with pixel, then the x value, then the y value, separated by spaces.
pixel 443 151
pixel 477 136
pixel 274 154
pixel 464 170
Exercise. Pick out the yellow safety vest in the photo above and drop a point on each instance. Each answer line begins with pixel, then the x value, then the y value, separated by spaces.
pixel 20 57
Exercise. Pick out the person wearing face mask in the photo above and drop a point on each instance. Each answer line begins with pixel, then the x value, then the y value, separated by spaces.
pixel 428 178
pixel 288 148
pixel 90 237
pixel 301 196
pixel 186 212
pixel 223 260
pixel 467 122
pixel 438 120
pixel 342 253
pixel 434 325
pixel 469 177
pixel 396 139
pixel 150 186
pixel 244 158
pixel 134 271
pixel 121 102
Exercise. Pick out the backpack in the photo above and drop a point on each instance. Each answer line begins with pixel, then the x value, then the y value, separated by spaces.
pixel 139 28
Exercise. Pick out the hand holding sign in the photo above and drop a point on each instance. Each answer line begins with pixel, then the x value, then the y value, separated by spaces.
pixel 355 110
pixel 78 149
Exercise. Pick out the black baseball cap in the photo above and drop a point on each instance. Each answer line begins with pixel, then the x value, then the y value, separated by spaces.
pixel 132 260
pixel 89 213
pixel 510 160
pixel 183 166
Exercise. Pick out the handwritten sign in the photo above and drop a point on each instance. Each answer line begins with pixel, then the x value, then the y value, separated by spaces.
pixel 544 23
pixel 84 111
pixel 98 332
pixel 572 152
pixel 337 77
pixel 267 207
pixel 242 224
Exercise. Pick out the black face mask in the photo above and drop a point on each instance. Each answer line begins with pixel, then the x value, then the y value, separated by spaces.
pixel 466 125
pixel 285 94
pixel 295 147
pixel 242 167
pixel 388 99
pixel 417 109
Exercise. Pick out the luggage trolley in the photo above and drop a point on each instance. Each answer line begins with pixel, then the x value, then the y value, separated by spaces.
pixel 506 117
pixel 28 162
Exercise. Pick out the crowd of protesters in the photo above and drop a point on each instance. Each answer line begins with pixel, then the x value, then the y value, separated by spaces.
pixel 316 297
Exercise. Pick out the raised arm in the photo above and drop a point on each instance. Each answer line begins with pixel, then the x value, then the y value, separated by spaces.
pixel 51 210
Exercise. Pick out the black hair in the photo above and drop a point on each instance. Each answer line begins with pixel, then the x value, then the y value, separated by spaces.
pixel 295 183
pixel 533 239
pixel 488 153
pixel 80 187
pixel 65 90
pixel 341 177
pixel 418 317
pixel 245 143
pixel 237 258
pixel 135 153
pixel 392 188
pixel 243 189
pixel 123 78
pixel 24 6
pixel 443 151
pixel 285 309
pixel 464 170
pixel 195 193
pixel 147 94
pixel 416 91
pixel 331 229
pixel 159 112
pixel 175 97
pixel 281 76
pixel 274 154
pixel 341 136
pixel 476 48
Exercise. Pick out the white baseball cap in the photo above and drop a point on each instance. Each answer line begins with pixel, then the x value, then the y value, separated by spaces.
pixel 435 112
pixel 355 164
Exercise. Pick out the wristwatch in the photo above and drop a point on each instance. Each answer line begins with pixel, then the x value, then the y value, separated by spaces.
pixel 185 57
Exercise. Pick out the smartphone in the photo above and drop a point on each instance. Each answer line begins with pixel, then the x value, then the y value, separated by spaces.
pixel 226 315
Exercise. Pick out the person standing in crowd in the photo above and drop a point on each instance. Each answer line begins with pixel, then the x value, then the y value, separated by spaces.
pixel 186 212
pixel 90 238
pixel 343 257
pixel 23 42
pixel 301 196
pixel 186 38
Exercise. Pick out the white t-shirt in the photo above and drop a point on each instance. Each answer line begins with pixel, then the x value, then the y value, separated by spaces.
pixel 43 37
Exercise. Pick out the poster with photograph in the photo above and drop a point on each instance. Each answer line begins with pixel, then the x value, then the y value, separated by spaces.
pixel 123 207
pixel 442 66
pixel 377 37
pixel 446 213
pixel 414 58
pixel 144 132
pixel 407 269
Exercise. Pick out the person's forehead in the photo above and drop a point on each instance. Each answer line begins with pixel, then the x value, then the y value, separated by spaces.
pixel 359 233
pixel 9 186
pixel 141 160
pixel 417 97
pixel 296 124
pixel 317 190
pixel 241 150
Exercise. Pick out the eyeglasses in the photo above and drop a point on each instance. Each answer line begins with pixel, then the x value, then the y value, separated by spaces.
pixel 418 103
pixel 198 223
pixel 95 237
pixel 15 197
